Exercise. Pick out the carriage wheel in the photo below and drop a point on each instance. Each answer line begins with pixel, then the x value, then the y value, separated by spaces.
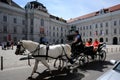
pixel 83 59
pixel 102 55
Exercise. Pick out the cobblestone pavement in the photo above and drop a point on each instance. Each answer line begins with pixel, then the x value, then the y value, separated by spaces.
pixel 10 60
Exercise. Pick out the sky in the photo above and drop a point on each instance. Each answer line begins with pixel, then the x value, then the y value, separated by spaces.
pixel 68 9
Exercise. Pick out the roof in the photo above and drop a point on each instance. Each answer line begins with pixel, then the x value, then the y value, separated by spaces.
pixel 16 5
pixel 12 3
pixel 36 5
pixel 114 8
pixel 106 10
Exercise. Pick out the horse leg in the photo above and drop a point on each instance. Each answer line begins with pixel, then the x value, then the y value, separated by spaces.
pixel 35 67
pixel 45 64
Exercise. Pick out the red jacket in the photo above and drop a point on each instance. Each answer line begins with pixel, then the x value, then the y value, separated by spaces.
pixel 95 44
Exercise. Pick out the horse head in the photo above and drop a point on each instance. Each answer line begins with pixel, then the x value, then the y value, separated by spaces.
pixel 20 49
pixel 26 45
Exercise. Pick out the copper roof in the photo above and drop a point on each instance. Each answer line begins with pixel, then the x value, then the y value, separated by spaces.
pixel 110 9
pixel 114 8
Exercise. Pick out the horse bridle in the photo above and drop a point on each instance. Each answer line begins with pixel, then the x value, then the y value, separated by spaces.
pixel 19 48
pixel 24 49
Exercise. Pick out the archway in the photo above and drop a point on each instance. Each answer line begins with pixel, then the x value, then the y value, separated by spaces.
pixel 101 40
pixel 115 40
pixel 61 40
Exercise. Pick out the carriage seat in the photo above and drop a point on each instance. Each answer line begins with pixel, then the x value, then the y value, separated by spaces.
pixel 88 50
pixel 79 48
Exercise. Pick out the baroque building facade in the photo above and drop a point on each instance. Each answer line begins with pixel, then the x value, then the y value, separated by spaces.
pixel 34 22
pixel 103 25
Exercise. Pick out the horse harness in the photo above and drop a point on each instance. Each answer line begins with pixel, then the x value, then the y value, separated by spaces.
pixel 47 49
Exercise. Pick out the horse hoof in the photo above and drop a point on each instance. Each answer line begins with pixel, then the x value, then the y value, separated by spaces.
pixel 29 78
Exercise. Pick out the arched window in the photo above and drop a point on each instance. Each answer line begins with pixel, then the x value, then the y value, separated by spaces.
pixel 101 40
pixel 115 40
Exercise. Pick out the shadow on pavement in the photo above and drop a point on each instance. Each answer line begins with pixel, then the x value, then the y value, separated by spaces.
pixel 95 65
pixel 59 75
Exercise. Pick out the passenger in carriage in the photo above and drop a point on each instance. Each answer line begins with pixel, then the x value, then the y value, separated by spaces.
pixel 89 48
pixel 88 43
pixel 95 45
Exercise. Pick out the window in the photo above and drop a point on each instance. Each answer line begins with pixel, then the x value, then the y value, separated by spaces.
pixel 57 29
pixel 81 34
pixel 84 34
pixel 42 22
pixel 106 24
pixel 53 33
pixel 61 29
pixel 115 23
pixel 100 32
pixel 101 25
pixel 49 33
pixel 5 18
pixel 86 27
pixel 101 40
pixel 23 30
pixel 53 28
pixel 23 22
pixel 106 31
pixel 96 33
pixel 31 30
pixel 115 31
pixel 31 21
pixel 81 28
pixel 90 26
pixel 5 38
pixel 117 67
pixel 15 20
pixel 15 30
pixel 61 34
pixel 96 26
pixel 4 28
pixel 57 34
pixel 53 40
pixel 15 39
pixel 106 39
pixel 90 33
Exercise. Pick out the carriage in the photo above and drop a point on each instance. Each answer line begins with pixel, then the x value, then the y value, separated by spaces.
pixel 87 54
pixel 61 53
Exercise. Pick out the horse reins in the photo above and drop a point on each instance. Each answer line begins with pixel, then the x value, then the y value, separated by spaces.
pixel 47 48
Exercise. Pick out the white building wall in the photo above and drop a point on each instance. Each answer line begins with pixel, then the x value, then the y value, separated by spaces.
pixel 98 20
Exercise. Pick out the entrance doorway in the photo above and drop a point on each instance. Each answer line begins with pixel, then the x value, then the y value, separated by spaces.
pixel 115 41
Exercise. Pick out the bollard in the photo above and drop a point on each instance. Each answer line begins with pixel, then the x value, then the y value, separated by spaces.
pixel 116 49
pixel 1 62
pixel 111 49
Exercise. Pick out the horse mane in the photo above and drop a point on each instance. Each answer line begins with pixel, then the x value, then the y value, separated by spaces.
pixel 29 41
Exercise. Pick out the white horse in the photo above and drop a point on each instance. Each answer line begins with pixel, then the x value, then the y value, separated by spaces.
pixel 38 49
